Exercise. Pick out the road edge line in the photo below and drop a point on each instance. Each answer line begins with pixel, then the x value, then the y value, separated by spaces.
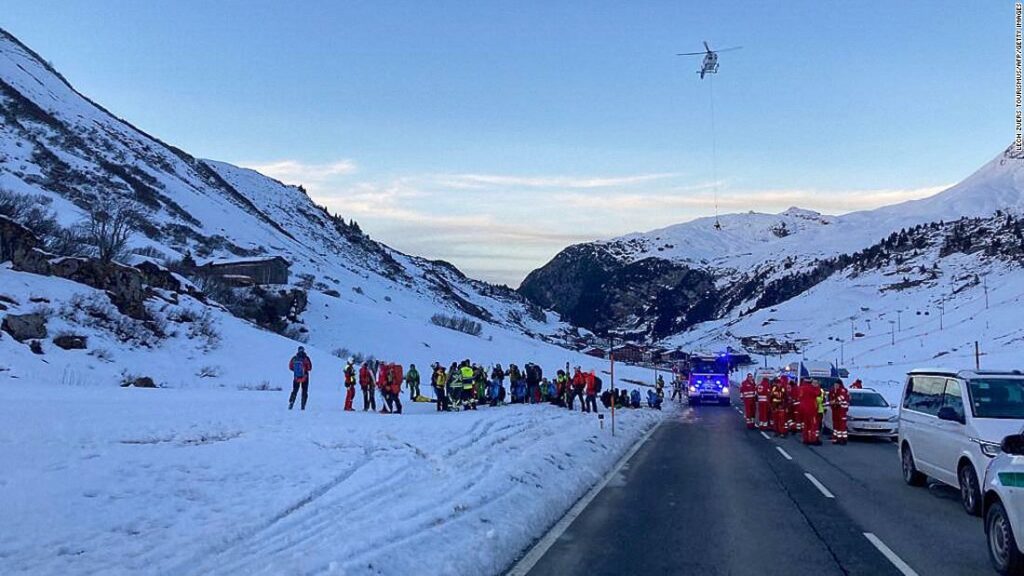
pixel 890 555
pixel 817 484
pixel 541 547
pixel 784 453
pixel 766 436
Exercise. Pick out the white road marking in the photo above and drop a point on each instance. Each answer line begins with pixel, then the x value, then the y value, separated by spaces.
pixel 784 453
pixel 821 487
pixel 531 558
pixel 766 437
pixel 888 553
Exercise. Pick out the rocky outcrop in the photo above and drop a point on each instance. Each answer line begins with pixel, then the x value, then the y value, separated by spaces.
pixel 123 284
pixel 594 289
pixel 271 309
pixel 24 327
pixel 138 382
pixel 70 342
pixel 20 246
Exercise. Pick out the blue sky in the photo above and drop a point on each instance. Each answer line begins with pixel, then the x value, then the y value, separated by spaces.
pixel 492 134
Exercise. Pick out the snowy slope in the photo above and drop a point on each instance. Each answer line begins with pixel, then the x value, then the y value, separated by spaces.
pixel 210 473
pixel 917 307
pixel 56 143
pixel 748 240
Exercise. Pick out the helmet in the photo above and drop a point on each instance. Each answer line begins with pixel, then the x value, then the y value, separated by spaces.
pixel 351 360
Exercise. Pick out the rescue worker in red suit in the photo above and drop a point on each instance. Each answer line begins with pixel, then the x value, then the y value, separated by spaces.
pixel 839 401
pixel 366 385
pixel 590 384
pixel 350 385
pixel 748 393
pixel 385 389
pixel 780 407
pixel 764 391
pixel 793 414
pixel 809 393
pixel 857 385
pixel 393 387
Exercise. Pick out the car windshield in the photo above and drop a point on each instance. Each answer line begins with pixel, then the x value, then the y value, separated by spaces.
pixel 997 397
pixel 868 400
pixel 706 367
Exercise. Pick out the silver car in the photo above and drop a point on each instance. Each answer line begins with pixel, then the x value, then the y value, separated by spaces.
pixel 870 415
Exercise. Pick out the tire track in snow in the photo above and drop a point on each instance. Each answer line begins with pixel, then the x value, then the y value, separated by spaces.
pixel 195 564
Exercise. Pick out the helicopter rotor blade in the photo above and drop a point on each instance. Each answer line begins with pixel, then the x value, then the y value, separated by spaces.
pixel 728 49
pixel 692 54
pixel 706 47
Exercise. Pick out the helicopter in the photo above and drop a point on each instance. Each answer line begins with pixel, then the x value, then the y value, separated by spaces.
pixel 710 64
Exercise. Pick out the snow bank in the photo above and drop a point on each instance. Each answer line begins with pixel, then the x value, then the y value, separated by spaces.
pixel 193 481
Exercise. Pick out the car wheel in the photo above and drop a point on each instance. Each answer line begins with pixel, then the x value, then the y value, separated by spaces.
pixel 970 492
pixel 694 401
pixel 1002 545
pixel 724 402
pixel 910 474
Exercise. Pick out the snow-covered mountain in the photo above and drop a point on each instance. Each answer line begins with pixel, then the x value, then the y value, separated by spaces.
pixel 664 282
pixel 63 153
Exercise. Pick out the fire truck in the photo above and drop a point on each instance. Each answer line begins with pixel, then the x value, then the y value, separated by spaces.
pixel 709 380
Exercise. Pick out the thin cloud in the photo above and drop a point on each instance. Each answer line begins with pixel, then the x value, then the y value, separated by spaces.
pixel 765 200
pixel 296 172
pixel 483 181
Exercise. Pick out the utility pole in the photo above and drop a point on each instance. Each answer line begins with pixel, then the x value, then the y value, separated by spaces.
pixel 977 356
pixel 985 284
pixel 892 331
pixel 942 312
pixel 611 358
pixel 899 320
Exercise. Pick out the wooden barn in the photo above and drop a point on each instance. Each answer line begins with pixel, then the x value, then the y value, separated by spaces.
pixel 268 270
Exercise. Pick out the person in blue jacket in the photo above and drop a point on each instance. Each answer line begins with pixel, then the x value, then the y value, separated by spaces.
pixel 653 400
pixel 634 398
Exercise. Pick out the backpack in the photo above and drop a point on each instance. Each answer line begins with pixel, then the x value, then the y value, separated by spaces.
pixel 598 384
pixel 299 366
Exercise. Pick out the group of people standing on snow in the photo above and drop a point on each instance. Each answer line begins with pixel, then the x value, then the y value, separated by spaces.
pixel 786 406
pixel 465 385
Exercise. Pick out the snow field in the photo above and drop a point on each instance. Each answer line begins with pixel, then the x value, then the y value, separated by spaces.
pixel 225 482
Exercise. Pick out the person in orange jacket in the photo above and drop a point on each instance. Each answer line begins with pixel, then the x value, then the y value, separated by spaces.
pixel 839 401
pixel 366 384
pixel 857 384
pixel 764 391
pixel 350 384
pixel 383 369
pixel 300 366
pixel 748 394
pixel 578 384
pixel 809 394
pixel 393 386
pixel 590 386
pixel 779 401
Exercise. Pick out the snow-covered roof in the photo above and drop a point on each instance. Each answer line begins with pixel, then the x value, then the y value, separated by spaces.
pixel 255 260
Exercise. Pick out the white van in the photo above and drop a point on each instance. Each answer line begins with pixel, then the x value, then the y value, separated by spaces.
pixel 952 423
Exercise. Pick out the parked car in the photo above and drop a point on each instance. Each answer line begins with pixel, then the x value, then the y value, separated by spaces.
pixel 824 373
pixel 1004 507
pixel 870 415
pixel 951 424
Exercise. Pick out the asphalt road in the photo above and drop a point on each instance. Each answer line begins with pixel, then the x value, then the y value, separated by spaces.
pixel 706 496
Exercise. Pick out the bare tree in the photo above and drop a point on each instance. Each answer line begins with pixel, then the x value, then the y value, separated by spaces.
pixel 109 224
